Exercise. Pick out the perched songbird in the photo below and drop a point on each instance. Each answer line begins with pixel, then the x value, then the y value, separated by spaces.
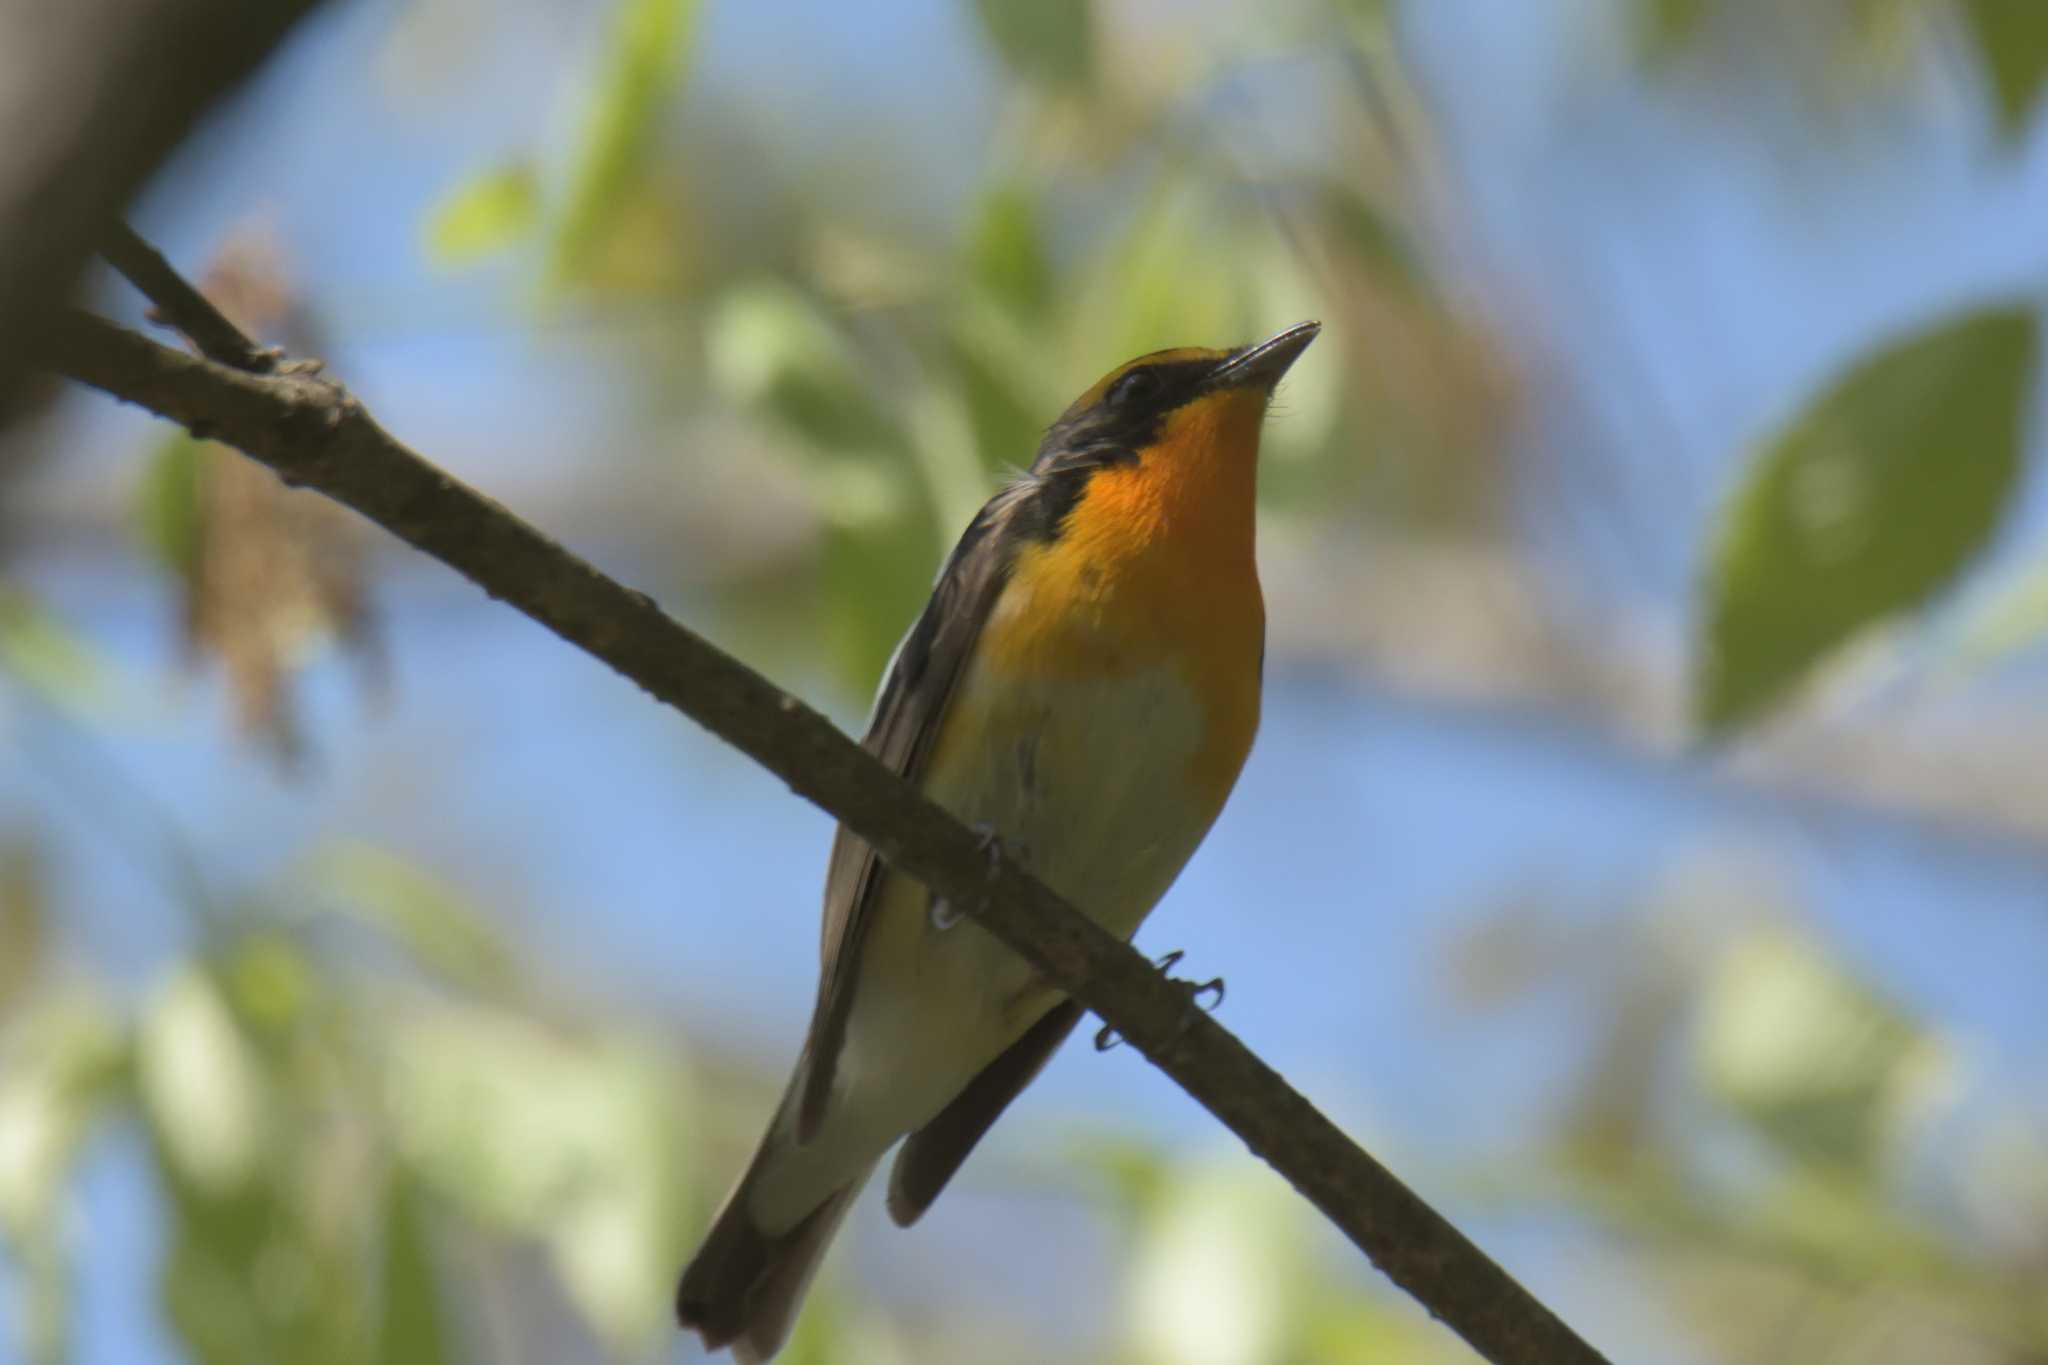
pixel 1084 684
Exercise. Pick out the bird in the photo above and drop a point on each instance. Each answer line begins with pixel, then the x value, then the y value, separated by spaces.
pixel 1082 688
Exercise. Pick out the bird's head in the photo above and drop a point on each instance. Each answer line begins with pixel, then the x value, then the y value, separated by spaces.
pixel 1168 433
pixel 1160 401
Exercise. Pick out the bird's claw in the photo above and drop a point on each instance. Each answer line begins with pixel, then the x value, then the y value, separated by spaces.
pixel 1107 1037
pixel 994 847
pixel 943 915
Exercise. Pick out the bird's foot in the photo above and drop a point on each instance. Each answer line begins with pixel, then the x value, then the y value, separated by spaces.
pixel 993 848
pixel 1204 995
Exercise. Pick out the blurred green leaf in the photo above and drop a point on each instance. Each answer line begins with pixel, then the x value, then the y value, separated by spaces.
pixel 1865 507
pixel 269 982
pixel 1136 1176
pixel 1006 426
pixel 2012 38
pixel 63 1058
pixel 875 577
pixel 775 349
pixel 205 1284
pixel 37 649
pixel 60 1064
pixel 1171 277
pixel 286 1240
pixel 413 1325
pixel 436 927
pixel 485 214
pixel 244 1275
pixel 24 922
pixel 249 1280
pixel 643 67
pixel 1666 27
pixel 474 1101
pixel 202 1084
pixel 618 1243
pixel 579 1145
pixel 1051 42
pixel 1805 1051
pixel 835 412
pixel 2012 619
pixel 1346 1328
pixel 167 503
pixel 1372 236
pixel 954 482
pixel 1220 1271
pixel 822 1330
pixel 759 331
pixel 1007 253
pixel 1797 1235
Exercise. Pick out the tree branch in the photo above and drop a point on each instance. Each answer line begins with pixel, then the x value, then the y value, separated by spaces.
pixel 314 434
pixel 180 305
pixel 94 94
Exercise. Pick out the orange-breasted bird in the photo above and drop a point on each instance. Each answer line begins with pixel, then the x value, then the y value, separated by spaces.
pixel 1084 684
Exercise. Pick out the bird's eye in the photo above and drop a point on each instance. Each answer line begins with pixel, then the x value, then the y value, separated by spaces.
pixel 1135 386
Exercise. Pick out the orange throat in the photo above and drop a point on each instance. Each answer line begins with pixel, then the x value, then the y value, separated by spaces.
pixel 1156 566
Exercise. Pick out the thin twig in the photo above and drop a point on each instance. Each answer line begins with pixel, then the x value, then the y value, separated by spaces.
pixel 97 93
pixel 314 434
pixel 180 305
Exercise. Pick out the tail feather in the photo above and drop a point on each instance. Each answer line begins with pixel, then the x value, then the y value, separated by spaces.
pixel 744 1286
pixel 932 1155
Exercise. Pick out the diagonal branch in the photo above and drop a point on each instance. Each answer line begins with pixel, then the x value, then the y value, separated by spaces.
pixel 93 95
pixel 180 305
pixel 312 433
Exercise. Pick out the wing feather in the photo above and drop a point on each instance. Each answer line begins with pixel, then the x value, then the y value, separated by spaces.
pixel 916 688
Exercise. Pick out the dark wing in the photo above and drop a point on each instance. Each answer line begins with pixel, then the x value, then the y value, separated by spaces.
pixel 913 699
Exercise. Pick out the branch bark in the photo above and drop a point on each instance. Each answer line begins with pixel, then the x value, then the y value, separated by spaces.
pixel 94 94
pixel 313 434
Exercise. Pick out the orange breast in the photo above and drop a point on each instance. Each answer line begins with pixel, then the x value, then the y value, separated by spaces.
pixel 1156 565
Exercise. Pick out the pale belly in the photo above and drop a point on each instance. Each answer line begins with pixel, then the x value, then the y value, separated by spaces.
pixel 1087 781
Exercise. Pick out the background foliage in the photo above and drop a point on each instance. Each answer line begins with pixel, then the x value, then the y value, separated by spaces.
pixel 310 1054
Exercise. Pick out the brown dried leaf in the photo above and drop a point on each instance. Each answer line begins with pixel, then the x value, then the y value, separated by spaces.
pixel 277 573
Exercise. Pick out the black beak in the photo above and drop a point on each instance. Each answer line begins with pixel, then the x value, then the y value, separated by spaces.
pixel 1263 364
